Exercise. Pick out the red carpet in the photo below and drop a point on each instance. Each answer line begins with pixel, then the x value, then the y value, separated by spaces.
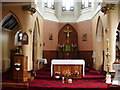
pixel 92 79
pixel 43 81
pixel 76 84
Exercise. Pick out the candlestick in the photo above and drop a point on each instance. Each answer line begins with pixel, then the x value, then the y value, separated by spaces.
pixel 108 76
pixel 62 79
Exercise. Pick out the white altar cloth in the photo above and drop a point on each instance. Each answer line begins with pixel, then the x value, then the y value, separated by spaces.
pixel 68 62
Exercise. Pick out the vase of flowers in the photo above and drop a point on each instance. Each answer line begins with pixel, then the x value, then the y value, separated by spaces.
pixel 66 74
pixel 76 73
pixel 57 75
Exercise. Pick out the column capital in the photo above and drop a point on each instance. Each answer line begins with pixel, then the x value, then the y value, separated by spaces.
pixel 108 8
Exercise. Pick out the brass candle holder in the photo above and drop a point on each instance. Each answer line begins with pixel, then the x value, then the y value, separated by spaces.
pixel 108 76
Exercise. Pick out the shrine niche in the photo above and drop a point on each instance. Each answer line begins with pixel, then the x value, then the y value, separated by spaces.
pixel 67 43
pixel 25 39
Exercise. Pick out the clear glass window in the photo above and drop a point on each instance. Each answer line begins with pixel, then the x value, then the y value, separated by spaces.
pixel 67 5
pixel 49 4
pixel 86 3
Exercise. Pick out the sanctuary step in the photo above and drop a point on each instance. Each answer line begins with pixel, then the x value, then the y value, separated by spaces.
pixel 92 79
pixel 89 74
pixel 43 80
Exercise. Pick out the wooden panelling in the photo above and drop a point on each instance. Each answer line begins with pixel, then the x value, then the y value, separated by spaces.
pixel 76 71
pixel 21 75
pixel 12 85
pixel 68 35
pixel 49 55
pixel 87 56
pixel 68 54
pixel 67 43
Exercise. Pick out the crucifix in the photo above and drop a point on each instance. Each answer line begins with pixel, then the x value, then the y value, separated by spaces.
pixel 67 31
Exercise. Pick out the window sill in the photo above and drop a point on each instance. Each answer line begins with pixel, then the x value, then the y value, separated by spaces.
pixel 68 12
pixel 49 10
pixel 86 10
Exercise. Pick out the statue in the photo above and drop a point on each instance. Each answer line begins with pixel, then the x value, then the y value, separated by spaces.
pixel 67 31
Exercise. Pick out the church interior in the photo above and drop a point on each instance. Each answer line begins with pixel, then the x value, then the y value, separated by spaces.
pixel 60 44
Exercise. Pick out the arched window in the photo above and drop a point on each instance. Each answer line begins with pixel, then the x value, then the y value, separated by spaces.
pixel 67 5
pixel 86 3
pixel 18 38
pixel 49 4
pixel 99 30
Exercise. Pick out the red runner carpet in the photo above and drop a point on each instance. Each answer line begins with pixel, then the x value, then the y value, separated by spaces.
pixel 92 79
pixel 43 81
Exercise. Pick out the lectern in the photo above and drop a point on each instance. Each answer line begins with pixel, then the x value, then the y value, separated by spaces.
pixel 20 68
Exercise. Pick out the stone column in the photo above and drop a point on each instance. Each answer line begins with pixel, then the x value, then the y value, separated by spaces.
pixel 112 26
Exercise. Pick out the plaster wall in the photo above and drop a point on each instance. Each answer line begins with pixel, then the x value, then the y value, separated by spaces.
pixel 53 28
pixel 109 24
pixel 50 28
pixel 85 27
pixel 26 22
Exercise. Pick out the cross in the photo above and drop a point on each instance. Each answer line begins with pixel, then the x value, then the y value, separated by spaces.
pixel 67 31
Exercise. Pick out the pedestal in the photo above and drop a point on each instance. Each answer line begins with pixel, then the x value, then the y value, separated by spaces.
pixel 20 73
pixel 116 80
pixel 108 79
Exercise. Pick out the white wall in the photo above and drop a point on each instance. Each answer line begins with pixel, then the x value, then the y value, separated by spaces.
pixel 5 50
pixel 119 18
pixel 88 13
pixel 67 16
pixel 77 15
pixel 0 51
pixel 46 13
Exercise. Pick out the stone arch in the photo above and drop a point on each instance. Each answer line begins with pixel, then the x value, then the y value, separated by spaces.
pixel 100 45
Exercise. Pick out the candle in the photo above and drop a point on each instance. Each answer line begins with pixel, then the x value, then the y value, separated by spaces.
pixel 69 80
pixel 62 79
pixel 108 43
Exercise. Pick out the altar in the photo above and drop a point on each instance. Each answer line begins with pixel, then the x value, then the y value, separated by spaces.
pixel 76 67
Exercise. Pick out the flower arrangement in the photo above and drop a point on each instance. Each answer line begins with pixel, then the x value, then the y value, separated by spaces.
pixel 66 73
pixel 76 73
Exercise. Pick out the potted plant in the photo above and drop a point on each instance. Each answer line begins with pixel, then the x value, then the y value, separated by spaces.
pixel 57 74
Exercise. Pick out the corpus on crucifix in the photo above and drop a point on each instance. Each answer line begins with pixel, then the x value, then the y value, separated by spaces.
pixel 67 31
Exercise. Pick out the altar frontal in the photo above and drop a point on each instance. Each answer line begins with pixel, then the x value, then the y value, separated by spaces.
pixel 73 68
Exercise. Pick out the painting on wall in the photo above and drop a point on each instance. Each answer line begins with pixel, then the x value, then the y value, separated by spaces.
pixel 84 37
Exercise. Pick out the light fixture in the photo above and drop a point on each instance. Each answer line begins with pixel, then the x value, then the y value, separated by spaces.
pixel 107 8
pixel 29 8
